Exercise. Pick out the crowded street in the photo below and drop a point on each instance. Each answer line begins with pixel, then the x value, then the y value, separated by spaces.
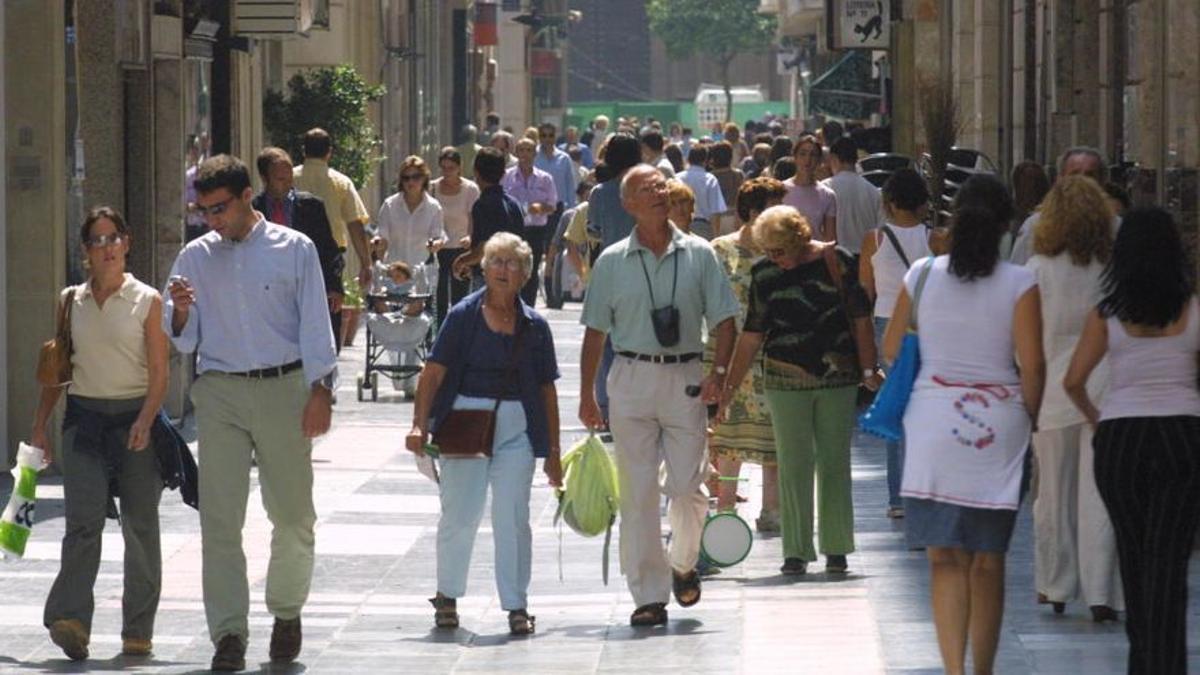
pixel 375 539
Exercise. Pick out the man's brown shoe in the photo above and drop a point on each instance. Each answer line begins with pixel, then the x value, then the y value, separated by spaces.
pixel 70 635
pixel 230 655
pixel 136 646
pixel 285 640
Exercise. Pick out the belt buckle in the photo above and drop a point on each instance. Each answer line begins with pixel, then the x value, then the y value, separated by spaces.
pixel 658 358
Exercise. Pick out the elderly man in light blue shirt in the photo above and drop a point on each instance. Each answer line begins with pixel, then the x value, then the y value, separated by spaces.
pixel 709 200
pixel 653 292
pixel 250 299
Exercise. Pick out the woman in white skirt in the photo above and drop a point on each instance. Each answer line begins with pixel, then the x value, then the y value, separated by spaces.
pixel 968 423
pixel 1075 549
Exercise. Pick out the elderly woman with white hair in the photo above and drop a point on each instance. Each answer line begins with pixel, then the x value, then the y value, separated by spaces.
pixel 493 354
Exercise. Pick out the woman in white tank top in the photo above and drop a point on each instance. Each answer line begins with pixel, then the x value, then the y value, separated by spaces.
pixel 1147 428
pixel 887 253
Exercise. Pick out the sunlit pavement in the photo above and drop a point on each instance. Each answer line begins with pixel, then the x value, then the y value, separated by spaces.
pixel 368 611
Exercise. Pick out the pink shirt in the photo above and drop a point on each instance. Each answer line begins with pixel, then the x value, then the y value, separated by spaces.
pixel 536 187
pixel 814 202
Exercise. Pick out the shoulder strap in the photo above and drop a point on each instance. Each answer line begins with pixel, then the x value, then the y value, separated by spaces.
pixel 887 231
pixel 920 288
pixel 835 272
pixel 64 316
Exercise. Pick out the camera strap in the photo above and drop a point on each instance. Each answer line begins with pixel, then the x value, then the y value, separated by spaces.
pixel 650 286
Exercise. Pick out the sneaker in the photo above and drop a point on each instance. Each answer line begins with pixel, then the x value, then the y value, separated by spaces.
pixel 285 640
pixel 71 637
pixel 230 655
pixel 836 564
pixel 136 647
pixel 794 567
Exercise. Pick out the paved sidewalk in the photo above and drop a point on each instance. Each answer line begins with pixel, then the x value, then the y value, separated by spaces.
pixel 375 569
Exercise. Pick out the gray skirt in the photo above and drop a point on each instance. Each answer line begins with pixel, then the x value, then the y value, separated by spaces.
pixel 928 523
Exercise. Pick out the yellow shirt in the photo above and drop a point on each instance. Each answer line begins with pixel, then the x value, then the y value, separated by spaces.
pixel 109 357
pixel 342 203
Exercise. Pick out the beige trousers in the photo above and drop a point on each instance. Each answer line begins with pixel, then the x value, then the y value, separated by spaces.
pixel 1075 552
pixel 237 419
pixel 654 424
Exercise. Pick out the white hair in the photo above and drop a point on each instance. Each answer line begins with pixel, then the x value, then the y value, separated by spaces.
pixel 507 242
pixel 636 168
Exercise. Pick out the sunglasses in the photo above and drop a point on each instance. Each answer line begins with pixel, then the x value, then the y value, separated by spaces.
pixel 214 210
pixel 105 240
pixel 411 176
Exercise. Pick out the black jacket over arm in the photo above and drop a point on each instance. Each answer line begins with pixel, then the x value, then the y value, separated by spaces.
pixel 308 217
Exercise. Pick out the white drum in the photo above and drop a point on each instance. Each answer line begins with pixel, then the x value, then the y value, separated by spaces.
pixel 726 540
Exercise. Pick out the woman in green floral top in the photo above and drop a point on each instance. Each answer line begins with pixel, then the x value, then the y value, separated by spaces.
pixel 812 319
pixel 745 435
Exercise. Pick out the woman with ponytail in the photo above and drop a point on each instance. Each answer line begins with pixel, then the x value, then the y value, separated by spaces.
pixel 968 423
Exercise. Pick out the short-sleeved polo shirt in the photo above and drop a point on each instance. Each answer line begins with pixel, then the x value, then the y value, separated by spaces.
pixel 342 203
pixel 618 298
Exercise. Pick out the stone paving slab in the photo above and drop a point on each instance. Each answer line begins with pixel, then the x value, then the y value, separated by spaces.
pixel 375 569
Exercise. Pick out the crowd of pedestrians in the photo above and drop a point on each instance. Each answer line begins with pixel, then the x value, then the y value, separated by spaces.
pixel 742 295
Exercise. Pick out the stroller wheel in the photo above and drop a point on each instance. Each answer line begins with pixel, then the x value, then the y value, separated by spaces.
pixel 374 386
pixel 359 387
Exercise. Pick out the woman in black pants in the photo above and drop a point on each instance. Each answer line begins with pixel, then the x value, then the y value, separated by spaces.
pixel 456 195
pixel 1148 428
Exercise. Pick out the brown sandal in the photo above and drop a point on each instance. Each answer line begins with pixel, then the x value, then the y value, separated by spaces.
pixel 686 588
pixel 520 622
pixel 445 614
pixel 654 614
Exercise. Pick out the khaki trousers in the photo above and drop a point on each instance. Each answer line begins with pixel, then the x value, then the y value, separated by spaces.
pixel 655 424
pixel 1075 549
pixel 238 418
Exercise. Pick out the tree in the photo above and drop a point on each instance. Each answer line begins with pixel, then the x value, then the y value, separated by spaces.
pixel 334 98
pixel 721 29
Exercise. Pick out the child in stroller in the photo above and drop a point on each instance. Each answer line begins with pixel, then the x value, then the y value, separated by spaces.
pixel 398 324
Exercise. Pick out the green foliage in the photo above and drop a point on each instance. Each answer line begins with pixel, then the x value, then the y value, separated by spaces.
pixel 721 29
pixel 334 98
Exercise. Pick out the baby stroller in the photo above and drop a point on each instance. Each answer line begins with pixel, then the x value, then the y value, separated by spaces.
pixel 399 331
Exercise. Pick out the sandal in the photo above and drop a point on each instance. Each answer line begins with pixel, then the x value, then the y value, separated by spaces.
pixel 520 622
pixel 686 588
pixel 654 614
pixel 445 613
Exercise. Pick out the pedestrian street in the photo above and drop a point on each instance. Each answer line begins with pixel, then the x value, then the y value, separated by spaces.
pixel 368 611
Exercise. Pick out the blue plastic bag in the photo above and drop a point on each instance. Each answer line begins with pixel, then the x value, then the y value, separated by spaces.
pixel 885 417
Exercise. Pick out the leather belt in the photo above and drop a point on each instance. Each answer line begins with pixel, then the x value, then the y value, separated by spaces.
pixel 661 358
pixel 274 371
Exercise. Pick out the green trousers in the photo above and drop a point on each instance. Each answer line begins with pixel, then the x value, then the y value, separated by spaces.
pixel 813 429
pixel 238 418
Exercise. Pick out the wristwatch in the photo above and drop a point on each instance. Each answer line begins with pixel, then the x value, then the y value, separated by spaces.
pixel 720 370
pixel 327 381
pixel 868 372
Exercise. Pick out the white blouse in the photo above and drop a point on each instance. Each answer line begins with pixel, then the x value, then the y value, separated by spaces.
pixel 407 231
pixel 456 209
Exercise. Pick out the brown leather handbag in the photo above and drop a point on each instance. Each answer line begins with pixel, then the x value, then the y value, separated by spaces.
pixel 54 360
pixel 466 434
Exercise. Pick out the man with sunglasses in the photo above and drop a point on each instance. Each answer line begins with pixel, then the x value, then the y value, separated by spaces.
pixel 248 297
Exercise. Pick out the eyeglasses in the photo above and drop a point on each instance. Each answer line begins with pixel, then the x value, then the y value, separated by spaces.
pixel 105 240
pixel 510 264
pixel 406 177
pixel 214 210
pixel 545 135
pixel 775 252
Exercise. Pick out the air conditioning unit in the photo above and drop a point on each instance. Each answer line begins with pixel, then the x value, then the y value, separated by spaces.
pixel 272 19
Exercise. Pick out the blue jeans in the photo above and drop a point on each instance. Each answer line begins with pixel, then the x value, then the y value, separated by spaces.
pixel 895 449
pixel 606 361
pixel 464 484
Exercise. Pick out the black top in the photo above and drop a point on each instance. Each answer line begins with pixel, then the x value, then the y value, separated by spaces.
pixel 808 343
pixel 494 212
pixel 308 218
